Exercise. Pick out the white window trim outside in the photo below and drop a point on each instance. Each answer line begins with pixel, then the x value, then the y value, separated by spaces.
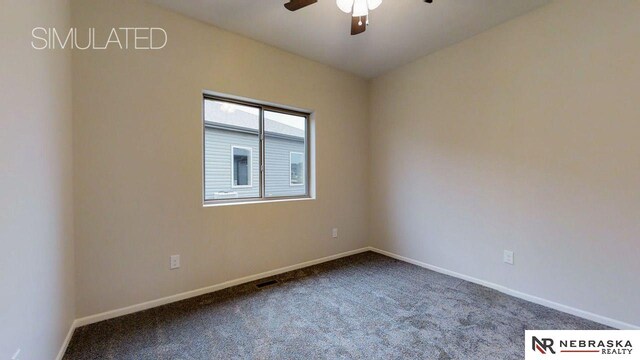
pixel 291 163
pixel 249 164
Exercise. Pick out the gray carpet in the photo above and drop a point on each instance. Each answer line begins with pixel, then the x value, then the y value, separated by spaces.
pixel 366 306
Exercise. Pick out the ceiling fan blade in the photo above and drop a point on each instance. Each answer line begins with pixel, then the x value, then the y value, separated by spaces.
pixel 356 28
pixel 294 5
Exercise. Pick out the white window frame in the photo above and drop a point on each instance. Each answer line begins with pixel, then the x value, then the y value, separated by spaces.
pixel 309 153
pixel 249 164
pixel 303 164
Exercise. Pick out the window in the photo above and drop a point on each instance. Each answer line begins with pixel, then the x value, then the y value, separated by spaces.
pixel 296 164
pixel 285 134
pixel 254 152
pixel 241 169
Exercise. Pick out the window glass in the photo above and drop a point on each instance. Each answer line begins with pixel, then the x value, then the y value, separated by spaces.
pixel 254 151
pixel 231 150
pixel 285 154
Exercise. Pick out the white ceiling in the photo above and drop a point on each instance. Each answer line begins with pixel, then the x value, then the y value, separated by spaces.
pixel 400 31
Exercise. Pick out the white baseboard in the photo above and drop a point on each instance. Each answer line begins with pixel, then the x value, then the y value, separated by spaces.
pixel 67 339
pixel 193 293
pixel 205 290
pixel 534 299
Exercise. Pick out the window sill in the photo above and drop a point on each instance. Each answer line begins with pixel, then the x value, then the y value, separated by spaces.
pixel 217 203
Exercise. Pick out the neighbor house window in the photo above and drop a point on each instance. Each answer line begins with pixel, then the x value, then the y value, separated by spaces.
pixel 241 166
pixel 254 151
pixel 296 165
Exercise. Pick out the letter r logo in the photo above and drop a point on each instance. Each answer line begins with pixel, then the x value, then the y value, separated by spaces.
pixel 542 345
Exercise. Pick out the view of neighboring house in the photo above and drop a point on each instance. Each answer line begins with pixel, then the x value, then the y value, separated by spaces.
pixel 232 152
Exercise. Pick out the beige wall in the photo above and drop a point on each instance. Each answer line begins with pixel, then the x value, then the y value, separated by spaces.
pixel 526 138
pixel 36 224
pixel 138 161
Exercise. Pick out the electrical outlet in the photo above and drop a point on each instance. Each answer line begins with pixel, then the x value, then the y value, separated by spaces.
pixel 175 262
pixel 508 257
pixel 334 233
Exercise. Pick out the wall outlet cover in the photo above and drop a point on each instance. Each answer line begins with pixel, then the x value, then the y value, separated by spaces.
pixel 174 262
pixel 508 257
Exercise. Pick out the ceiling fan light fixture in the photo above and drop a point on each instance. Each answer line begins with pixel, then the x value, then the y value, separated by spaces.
pixel 360 8
pixel 373 4
pixel 345 5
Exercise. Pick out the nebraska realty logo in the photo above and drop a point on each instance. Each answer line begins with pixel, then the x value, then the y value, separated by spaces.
pixel 581 344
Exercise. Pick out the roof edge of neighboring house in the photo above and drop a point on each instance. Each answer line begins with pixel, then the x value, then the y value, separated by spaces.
pixel 239 129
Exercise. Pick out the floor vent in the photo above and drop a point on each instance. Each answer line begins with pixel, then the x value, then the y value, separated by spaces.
pixel 266 283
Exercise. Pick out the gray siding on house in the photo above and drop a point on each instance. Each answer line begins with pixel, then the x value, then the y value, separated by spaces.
pixel 277 166
pixel 218 171
pixel 217 162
